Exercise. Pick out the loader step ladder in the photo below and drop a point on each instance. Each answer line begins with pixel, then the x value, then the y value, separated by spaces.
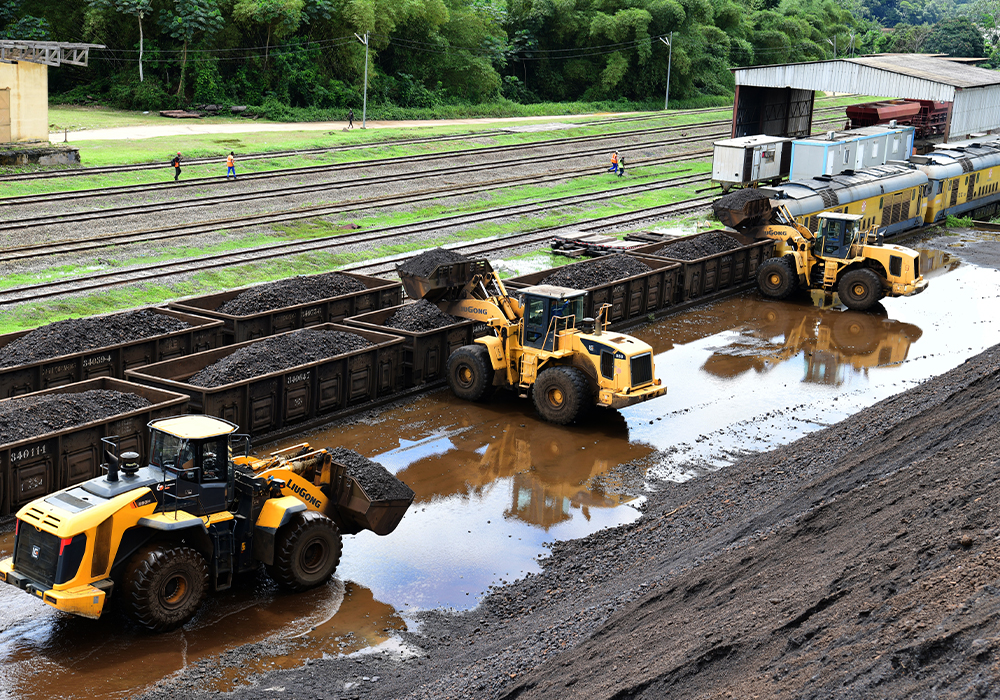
pixel 222 562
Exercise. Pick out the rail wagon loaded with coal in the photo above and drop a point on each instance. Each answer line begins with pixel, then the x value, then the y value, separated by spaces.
pixel 75 350
pixel 285 383
pixel 296 302
pixel 51 439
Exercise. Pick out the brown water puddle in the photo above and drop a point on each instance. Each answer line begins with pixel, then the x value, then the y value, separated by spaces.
pixel 494 484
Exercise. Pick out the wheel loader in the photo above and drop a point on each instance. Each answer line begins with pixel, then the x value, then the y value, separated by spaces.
pixel 839 257
pixel 158 537
pixel 540 344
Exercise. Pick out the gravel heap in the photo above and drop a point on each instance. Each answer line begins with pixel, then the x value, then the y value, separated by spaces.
pixel 699 246
pixel 596 272
pixel 277 353
pixel 424 264
pixel 81 334
pixel 28 416
pixel 375 479
pixel 289 292
pixel 419 317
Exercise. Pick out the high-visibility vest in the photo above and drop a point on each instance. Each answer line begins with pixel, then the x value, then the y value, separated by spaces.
pixel 229 161
pixel 614 157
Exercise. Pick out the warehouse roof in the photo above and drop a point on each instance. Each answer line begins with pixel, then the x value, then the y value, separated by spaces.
pixel 913 76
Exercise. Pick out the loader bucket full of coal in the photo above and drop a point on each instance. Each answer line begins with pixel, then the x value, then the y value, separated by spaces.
pixel 366 494
pixel 443 281
pixel 743 208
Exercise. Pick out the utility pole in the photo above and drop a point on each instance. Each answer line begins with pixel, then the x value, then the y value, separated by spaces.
pixel 670 44
pixel 364 109
pixel 833 44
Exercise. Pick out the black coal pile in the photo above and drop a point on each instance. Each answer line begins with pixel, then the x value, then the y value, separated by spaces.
pixel 289 292
pixel 424 264
pixel 81 334
pixel 596 272
pixel 28 416
pixel 277 353
pixel 375 479
pixel 737 198
pixel 699 246
pixel 419 317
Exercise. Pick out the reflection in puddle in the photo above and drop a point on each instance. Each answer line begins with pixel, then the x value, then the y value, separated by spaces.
pixel 493 483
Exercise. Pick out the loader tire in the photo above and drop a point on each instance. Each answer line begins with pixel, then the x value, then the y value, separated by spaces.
pixel 307 551
pixel 470 373
pixel 776 278
pixel 859 289
pixel 164 586
pixel 562 394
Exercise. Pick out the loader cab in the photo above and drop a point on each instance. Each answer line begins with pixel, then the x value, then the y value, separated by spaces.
pixel 195 450
pixel 836 234
pixel 548 310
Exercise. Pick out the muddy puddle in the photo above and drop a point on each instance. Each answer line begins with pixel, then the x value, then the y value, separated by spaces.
pixel 494 484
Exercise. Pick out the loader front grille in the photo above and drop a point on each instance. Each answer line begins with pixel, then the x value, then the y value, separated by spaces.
pixel 36 554
pixel 642 369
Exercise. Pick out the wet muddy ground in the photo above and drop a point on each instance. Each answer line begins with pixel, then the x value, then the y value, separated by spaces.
pixel 494 485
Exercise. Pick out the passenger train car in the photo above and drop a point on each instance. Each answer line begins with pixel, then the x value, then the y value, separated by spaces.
pixel 958 179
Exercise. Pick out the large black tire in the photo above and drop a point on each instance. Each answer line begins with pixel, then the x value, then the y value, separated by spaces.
pixel 164 586
pixel 307 551
pixel 859 289
pixel 470 373
pixel 562 394
pixel 776 278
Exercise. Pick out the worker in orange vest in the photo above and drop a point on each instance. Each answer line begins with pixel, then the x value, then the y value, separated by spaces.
pixel 614 163
pixel 230 165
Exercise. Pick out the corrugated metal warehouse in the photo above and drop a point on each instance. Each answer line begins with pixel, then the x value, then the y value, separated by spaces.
pixel 778 100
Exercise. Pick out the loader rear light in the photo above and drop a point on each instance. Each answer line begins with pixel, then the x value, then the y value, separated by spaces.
pixel 64 543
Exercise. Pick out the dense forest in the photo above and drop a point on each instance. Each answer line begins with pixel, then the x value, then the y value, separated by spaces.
pixel 306 57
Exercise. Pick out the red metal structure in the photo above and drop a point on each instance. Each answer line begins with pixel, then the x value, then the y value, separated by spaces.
pixel 929 118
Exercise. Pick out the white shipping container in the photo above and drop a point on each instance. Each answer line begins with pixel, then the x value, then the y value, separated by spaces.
pixel 750 159
pixel 850 150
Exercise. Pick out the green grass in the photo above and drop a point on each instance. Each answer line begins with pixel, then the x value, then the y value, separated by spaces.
pixel 958 222
pixel 76 117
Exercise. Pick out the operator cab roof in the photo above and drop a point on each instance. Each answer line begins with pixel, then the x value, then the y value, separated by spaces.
pixel 840 216
pixel 551 291
pixel 193 427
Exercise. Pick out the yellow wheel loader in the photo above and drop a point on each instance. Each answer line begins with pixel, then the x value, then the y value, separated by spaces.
pixel 839 257
pixel 158 537
pixel 540 343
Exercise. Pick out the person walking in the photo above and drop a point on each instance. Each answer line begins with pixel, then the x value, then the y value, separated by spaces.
pixel 231 165
pixel 614 163
pixel 176 162
pixel 621 166
pixel 350 119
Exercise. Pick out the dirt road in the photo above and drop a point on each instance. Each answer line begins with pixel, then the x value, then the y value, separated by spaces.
pixel 859 561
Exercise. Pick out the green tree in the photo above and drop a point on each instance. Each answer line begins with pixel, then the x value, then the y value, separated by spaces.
pixel 136 8
pixel 280 17
pixel 187 19
pixel 956 37
pixel 16 25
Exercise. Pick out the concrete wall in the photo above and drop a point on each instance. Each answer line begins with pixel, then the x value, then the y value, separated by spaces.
pixel 29 100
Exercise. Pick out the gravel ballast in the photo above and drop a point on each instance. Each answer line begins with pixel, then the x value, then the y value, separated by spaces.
pixel 700 246
pixel 278 353
pixel 424 264
pixel 594 273
pixel 420 317
pixel 290 292
pixel 378 483
pixel 28 416
pixel 81 334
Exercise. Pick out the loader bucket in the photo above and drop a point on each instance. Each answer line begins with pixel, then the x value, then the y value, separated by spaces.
pixel 357 511
pixel 742 207
pixel 444 279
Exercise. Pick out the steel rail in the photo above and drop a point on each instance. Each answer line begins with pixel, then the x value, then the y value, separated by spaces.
pixel 100 281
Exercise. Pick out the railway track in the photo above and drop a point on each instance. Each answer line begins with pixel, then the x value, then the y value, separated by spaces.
pixel 338 149
pixel 534 238
pixel 77 245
